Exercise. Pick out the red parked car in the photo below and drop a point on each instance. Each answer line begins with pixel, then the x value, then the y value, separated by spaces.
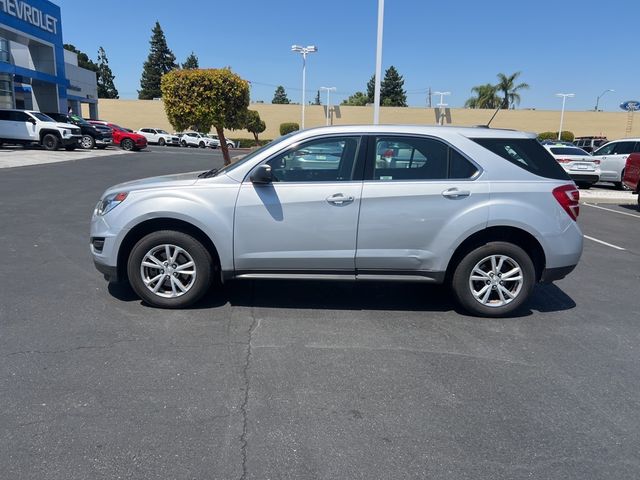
pixel 631 178
pixel 127 139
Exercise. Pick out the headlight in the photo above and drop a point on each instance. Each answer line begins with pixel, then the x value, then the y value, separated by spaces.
pixel 110 202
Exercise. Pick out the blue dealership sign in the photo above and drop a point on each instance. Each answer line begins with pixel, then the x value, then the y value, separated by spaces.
pixel 38 18
pixel 630 105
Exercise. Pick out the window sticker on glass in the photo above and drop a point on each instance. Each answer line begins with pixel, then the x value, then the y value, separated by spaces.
pixel 386 177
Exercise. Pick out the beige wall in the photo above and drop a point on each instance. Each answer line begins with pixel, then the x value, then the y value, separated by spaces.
pixel 150 113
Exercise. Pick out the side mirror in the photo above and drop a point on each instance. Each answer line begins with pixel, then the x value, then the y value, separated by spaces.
pixel 262 174
pixel 31 120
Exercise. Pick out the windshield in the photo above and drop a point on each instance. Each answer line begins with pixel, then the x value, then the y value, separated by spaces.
pixel 568 151
pixel 42 117
pixel 253 154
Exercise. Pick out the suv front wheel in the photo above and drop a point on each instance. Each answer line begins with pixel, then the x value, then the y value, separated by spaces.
pixel 169 269
pixel 494 280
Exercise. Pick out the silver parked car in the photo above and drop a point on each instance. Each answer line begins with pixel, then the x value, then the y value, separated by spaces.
pixel 488 211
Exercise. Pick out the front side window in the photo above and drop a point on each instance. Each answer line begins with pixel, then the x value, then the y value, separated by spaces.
pixel 323 160
pixel 606 150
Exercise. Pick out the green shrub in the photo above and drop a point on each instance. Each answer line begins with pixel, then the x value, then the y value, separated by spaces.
pixel 288 127
pixel 566 136
pixel 250 142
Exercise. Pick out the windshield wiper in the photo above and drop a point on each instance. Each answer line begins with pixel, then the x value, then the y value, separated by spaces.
pixel 209 173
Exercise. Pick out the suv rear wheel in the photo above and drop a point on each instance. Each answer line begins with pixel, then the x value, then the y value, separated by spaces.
pixel 494 280
pixel 169 269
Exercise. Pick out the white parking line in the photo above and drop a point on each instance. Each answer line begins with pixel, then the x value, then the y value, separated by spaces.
pixel 611 210
pixel 604 243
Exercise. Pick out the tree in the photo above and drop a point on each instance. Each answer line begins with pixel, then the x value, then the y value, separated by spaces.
pixel 160 61
pixel 106 87
pixel 191 62
pixel 358 99
pixel 280 96
pixel 486 97
pixel 254 124
pixel 206 98
pixel 83 59
pixel 392 93
pixel 506 85
pixel 317 99
pixel 371 86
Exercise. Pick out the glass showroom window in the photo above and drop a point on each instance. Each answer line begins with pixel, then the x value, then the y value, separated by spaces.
pixel 6 91
pixel 4 50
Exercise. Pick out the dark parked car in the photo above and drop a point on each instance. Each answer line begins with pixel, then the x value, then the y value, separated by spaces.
pixel 91 136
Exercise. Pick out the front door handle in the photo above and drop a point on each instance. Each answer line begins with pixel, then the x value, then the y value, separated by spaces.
pixel 455 193
pixel 339 199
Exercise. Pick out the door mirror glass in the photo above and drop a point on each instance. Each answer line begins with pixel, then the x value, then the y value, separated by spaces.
pixel 262 175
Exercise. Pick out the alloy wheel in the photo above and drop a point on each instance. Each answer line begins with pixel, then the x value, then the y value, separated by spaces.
pixel 168 271
pixel 496 280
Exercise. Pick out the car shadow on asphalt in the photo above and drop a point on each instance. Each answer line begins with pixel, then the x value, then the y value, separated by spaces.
pixel 633 208
pixel 345 295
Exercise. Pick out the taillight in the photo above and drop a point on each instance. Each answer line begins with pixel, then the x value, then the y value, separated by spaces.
pixel 563 160
pixel 597 162
pixel 568 196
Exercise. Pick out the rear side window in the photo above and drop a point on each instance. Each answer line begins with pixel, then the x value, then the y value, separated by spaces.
pixel 526 153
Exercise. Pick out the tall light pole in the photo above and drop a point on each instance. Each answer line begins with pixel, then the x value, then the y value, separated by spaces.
pixel 601 95
pixel 329 90
pixel 376 90
pixel 441 104
pixel 564 99
pixel 304 51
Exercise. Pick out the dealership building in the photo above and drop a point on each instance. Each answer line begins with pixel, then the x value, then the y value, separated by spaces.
pixel 36 72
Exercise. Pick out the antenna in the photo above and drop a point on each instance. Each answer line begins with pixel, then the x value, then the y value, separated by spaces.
pixel 495 113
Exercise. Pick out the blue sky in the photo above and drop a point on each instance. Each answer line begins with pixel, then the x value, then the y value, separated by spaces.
pixel 582 47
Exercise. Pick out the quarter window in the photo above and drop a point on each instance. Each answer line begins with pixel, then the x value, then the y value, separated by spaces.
pixel 323 160
pixel 624 148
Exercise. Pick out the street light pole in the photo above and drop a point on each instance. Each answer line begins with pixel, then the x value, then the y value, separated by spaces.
pixel 601 95
pixel 564 99
pixel 376 96
pixel 304 51
pixel 329 90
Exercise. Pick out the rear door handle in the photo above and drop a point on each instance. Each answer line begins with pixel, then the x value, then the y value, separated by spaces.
pixel 455 193
pixel 339 199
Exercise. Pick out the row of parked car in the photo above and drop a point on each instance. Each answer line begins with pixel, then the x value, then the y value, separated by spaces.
pixel 53 130
pixel 607 163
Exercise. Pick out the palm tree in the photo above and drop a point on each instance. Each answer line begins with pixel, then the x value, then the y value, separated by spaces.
pixel 486 97
pixel 507 86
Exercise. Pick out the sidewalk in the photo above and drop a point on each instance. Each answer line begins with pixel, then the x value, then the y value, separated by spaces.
pixel 11 157
pixel 603 195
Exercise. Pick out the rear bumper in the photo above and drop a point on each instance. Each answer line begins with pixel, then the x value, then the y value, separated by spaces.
pixel 584 177
pixel 552 274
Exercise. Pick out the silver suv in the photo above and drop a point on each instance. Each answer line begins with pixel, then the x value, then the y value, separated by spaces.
pixel 488 211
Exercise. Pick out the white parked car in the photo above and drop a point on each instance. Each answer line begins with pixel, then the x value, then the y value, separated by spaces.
pixel 613 158
pixel 216 141
pixel 25 127
pixel 579 164
pixel 159 136
pixel 195 139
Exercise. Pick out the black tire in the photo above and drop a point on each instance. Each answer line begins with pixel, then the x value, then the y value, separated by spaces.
pixel 183 143
pixel 201 145
pixel 87 142
pixel 127 144
pixel 161 142
pixel 70 148
pixel 462 283
pixel 50 141
pixel 202 265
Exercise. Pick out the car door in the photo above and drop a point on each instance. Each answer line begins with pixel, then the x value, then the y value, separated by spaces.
pixel 613 157
pixel 23 126
pixel 305 220
pixel 418 197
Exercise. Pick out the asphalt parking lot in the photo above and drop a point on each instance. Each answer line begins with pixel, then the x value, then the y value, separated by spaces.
pixel 306 380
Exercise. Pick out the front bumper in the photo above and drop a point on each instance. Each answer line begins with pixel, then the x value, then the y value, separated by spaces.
pixel 104 141
pixel 71 140
pixel 110 273
pixel 550 275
